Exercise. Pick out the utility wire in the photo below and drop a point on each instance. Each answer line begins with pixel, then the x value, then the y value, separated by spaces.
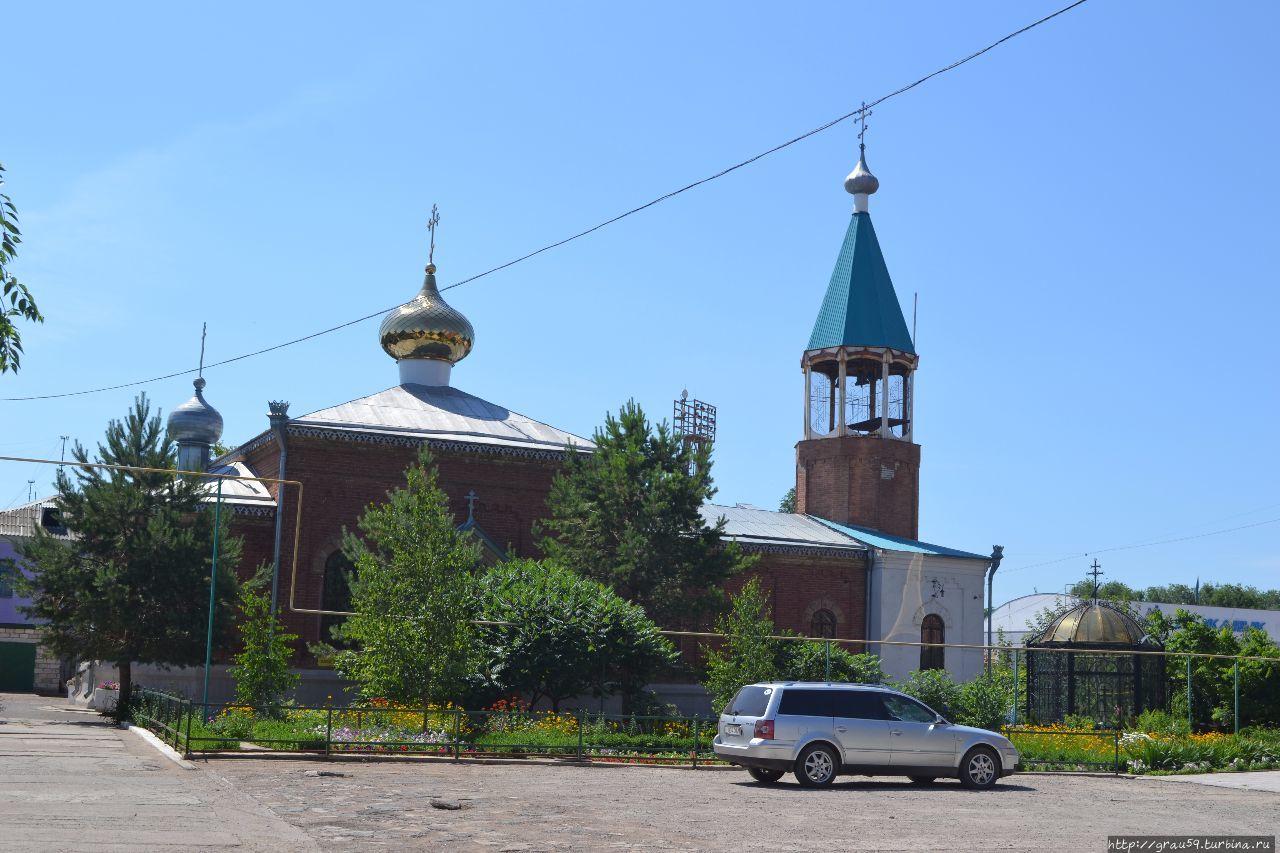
pixel 865 107
pixel 1142 545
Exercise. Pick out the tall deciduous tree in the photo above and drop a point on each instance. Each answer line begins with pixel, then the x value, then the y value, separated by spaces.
pixel 261 669
pixel 749 652
pixel 628 516
pixel 16 302
pixel 565 636
pixel 133 583
pixel 412 592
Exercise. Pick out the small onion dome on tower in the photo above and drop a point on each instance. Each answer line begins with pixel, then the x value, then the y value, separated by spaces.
pixel 426 336
pixel 861 183
pixel 195 426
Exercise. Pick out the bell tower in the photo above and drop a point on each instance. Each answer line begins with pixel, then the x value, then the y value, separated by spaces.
pixel 857 463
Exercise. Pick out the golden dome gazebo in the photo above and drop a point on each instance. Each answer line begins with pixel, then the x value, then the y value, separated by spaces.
pixel 1077 666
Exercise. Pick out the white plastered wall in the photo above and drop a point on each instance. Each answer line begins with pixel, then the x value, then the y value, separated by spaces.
pixel 906 587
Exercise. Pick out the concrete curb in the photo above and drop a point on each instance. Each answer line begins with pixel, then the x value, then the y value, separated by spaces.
pixel 160 746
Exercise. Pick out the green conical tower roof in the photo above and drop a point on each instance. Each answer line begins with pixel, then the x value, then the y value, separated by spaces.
pixel 861 307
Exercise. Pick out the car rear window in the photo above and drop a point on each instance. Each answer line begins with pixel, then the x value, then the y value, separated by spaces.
pixel 859 705
pixel 751 701
pixel 806 703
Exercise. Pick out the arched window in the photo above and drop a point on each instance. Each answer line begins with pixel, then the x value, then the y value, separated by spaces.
pixel 932 631
pixel 823 624
pixel 337 593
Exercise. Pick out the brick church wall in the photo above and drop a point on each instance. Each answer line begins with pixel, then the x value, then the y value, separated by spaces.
pixel 341 478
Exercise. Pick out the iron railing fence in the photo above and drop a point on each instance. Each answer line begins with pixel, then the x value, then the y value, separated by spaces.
pixel 443 732
pixel 1066 751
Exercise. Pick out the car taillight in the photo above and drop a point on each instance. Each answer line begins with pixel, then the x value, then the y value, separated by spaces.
pixel 764 729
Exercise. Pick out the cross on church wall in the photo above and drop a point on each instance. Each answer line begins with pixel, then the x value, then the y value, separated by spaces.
pixel 471 500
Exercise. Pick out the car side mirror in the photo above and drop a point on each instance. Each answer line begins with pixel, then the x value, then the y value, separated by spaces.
pixel 938 720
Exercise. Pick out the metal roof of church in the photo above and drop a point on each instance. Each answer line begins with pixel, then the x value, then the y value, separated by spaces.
pixel 751 525
pixel 246 492
pixel 443 413
pixel 885 542
pixel 861 307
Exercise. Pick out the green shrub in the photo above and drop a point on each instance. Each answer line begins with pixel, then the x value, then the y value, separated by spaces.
pixel 808 661
pixel 985 702
pixel 1079 722
pixel 934 688
pixel 1154 721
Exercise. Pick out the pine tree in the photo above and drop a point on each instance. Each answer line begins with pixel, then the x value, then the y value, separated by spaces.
pixel 628 515
pixel 412 592
pixel 133 583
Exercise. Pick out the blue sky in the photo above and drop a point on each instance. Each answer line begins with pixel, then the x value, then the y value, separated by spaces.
pixel 1086 212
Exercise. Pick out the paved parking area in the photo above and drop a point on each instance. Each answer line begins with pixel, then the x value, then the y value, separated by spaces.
pixel 559 807
pixel 68 781
pixel 71 781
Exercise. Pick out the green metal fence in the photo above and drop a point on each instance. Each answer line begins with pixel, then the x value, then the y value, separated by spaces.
pixel 1064 751
pixel 444 732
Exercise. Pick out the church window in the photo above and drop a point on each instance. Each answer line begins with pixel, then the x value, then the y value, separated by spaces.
pixel 932 631
pixel 823 624
pixel 337 593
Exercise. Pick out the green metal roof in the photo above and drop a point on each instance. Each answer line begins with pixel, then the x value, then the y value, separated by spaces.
pixel 886 542
pixel 861 307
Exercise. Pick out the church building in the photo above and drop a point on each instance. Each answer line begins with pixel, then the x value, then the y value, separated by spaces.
pixel 846 564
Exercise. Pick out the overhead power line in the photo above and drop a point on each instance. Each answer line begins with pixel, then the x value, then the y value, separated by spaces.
pixel 862 109
pixel 1141 545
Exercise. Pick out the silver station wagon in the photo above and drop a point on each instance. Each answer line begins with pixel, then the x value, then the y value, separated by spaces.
pixel 819 731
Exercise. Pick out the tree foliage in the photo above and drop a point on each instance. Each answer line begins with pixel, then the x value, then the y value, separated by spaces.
pixel 16 302
pixel 567 635
pixel 1213 680
pixel 413 596
pixel 788 502
pixel 261 667
pixel 1210 594
pixel 818 661
pixel 748 654
pixel 132 585
pixel 629 516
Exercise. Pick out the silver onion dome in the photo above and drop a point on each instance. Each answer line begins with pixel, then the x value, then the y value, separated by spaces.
pixel 860 180
pixel 195 420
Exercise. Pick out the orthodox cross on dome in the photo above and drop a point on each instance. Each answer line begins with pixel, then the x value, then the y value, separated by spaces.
pixel 1097 570
pixel 204 327
pixel 863 131
pixel 471 500
pixel 432 224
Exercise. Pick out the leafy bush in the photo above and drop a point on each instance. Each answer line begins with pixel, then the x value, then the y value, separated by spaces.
pixel 985 702
pixel 934 688
pixel 1153 721
pixel 1079 723
pixel 808 661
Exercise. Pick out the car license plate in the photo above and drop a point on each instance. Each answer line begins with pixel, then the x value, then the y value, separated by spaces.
pixel 732 729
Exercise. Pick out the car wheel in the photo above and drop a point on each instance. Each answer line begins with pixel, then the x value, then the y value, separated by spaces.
pixel 817 766
pixel 980 768
pixel 761 774
pixel 921 780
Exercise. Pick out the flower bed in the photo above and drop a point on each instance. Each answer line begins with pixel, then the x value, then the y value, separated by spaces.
pixel 1062 748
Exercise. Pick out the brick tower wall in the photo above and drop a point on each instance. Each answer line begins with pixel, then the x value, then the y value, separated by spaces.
pixel 870 482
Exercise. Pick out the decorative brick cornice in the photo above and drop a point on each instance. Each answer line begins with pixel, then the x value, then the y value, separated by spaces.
pixel 540 454
pixel 798 550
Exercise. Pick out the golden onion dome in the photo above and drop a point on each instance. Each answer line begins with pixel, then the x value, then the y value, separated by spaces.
pixel 427 327
pixel 1094 623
